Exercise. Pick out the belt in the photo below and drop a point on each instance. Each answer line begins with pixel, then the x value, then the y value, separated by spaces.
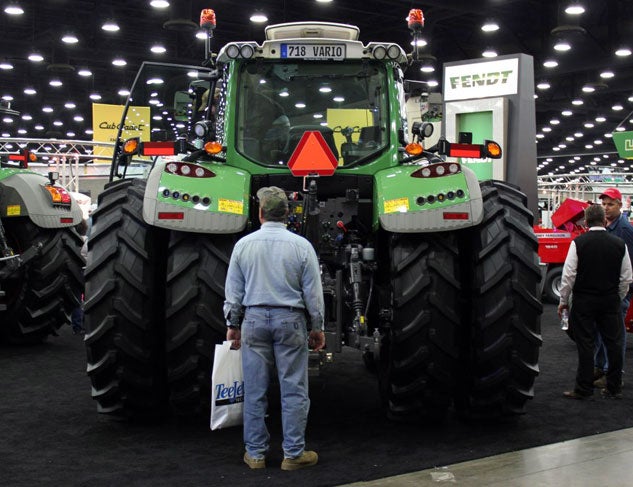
pixel 268 306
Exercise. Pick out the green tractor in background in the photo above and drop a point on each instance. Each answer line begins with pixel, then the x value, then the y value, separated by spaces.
pixel 41 266
pixel 429 272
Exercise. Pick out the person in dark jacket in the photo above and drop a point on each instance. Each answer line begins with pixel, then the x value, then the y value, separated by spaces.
pixel 618 225
pixel 598 273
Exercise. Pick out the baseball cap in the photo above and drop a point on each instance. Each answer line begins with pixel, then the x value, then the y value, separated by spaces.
pixel 613 193
pixel 273 200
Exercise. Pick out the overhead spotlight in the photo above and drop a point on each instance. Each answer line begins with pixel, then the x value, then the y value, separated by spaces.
pixel 70 38
pixel 159 3
pixel 577 102
pixel 623 52
pixel 607 74
pixel 110 26
pixel 490 26
pixel 550 63
pixel 543 85
pixel 258 17
pixel 13 9
pixel 6 65
pixel 35 57
pixel 575 8
pixel 489 53
pixel 562 45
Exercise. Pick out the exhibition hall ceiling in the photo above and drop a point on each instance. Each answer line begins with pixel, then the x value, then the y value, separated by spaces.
pixel 583 62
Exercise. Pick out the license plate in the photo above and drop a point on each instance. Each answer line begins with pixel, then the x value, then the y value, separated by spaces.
pixel 334 52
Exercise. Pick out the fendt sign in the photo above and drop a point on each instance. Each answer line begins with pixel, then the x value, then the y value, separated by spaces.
pixel 481 80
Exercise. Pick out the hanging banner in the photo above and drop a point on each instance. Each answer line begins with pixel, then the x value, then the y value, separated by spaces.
pixel 624 144
pixel 106 120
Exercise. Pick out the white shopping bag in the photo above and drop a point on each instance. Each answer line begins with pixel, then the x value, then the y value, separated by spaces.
pixel 227 387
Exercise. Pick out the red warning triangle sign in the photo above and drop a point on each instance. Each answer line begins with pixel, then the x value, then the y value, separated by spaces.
pixel 312 156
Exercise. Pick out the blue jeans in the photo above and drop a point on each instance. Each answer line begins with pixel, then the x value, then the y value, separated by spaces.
pixel 275 337
pixel 600 359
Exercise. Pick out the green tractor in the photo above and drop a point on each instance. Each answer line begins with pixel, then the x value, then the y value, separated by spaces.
pixel 430 273
pixel 41 266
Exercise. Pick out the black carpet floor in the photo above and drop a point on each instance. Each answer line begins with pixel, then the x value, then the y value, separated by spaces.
pixel 50 433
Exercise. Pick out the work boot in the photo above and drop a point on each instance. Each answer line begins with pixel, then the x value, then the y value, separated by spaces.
pixel 254 462
pixel 306 459
pixel 597 373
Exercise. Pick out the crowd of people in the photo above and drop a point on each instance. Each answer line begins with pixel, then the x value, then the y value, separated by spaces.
pixel 596 288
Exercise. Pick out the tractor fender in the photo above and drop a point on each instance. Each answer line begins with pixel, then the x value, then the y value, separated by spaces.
pixel 23 194
pixel 212 204
pixel 403 204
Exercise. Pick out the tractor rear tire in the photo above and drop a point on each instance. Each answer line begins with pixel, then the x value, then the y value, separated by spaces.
pixel 124 308
pixel 419 355
pixel 502 346
pixel 40 296
pixel 551 288
pixel 196 272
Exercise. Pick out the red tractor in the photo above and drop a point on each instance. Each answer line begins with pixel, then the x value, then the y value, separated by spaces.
pixel 553 244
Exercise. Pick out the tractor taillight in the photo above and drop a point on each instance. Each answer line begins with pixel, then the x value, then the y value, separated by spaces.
pixel 58 195
pixel 188 170
pixel 437 170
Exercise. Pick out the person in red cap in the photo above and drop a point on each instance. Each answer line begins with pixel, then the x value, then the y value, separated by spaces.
pixel 617 224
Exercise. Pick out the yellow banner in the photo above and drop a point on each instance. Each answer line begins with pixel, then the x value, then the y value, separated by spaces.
pixel 106 120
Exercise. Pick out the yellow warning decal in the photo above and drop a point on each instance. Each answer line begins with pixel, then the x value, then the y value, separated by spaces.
pixel 231 206
pixel 399 205
pixel 14 210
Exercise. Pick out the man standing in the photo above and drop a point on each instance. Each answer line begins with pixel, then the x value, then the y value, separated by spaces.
pixel 598 272
pixel 273 281
pixel 618 225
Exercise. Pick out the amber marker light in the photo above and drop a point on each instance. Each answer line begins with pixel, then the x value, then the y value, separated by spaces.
pixel 130 146
pixel 414 149
pixel 493 149
pixel 213 148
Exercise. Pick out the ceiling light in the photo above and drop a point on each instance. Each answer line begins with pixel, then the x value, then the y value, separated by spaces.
pixel 95 96
pixel 623 51
pixel 78 118
pixel 617 107
pixel 36 57
pixel 110 26
pixel 601 119
pixel 577 102
pixel 47 109
pixel 588 125
pixel 620 129
pixel 543 85
pixel 607 74
pixel 84 72
pixel 258 18
pixel 26 117
pixel 30 91
pixel 490 26
pixel 123 92
pixel 562 46
pixel 39 127
pixel 70 38
pixel 427 68
pixel 323 1
pixel 566 113
pixel 575 8
pixel 55 82
pixel 432 83
pixel 547 129
pixel 119 62
pixel 489 53
pixel 70 134
pixel 588 89
pixel 554 121
pixel 6 65
pixel 13 9
pixel 58 123
pixel 158 49
pixel 550 63
pixel 578 135
pixel 159 3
